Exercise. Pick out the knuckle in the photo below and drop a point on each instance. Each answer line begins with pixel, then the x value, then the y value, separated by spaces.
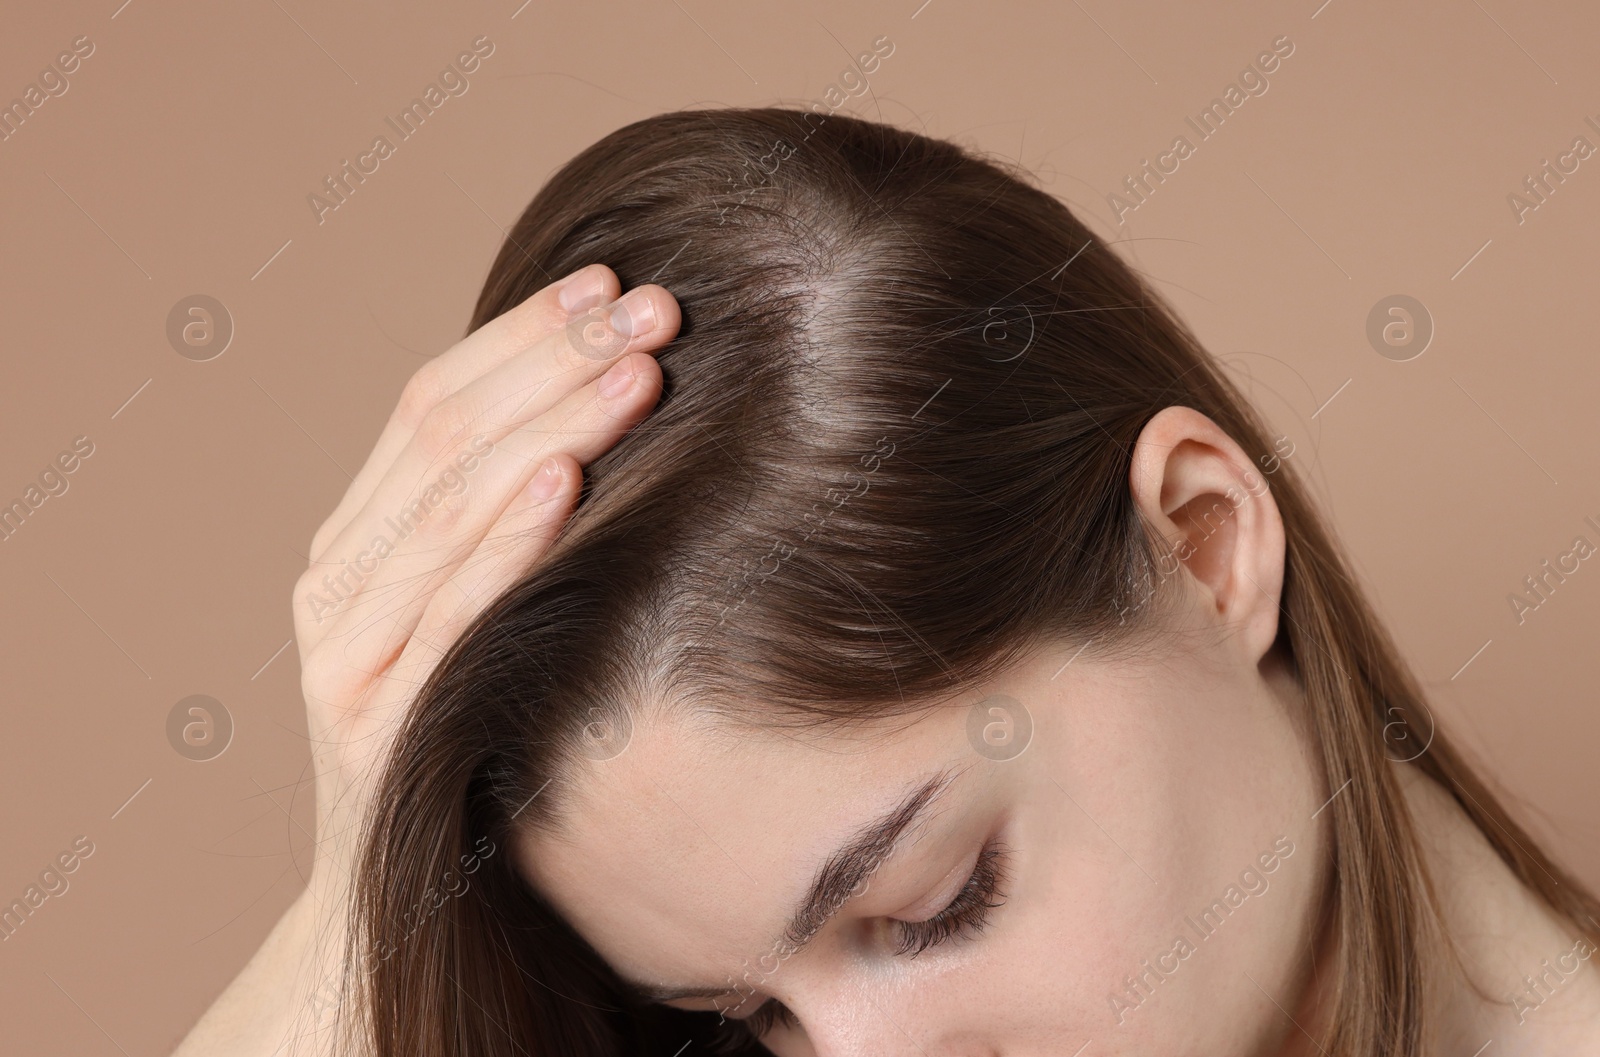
pixel 312 603
pixel 422 393
pixel 531 322
pixel 303 585
pixel 321 541
pixel 442 513
pixel 328 681
pixel 442 428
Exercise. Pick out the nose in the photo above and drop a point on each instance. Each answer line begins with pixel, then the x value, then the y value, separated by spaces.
pixel 856 1024
pixel 853 1032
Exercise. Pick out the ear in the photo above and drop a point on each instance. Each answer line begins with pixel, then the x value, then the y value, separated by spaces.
pixel 1203 494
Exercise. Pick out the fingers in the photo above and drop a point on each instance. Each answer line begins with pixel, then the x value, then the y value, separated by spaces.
pixel 380 616
pixel 515 544
pixel 508 395
pixel 446 492
pixel 429 479
pixel 520 538
pixel 503 337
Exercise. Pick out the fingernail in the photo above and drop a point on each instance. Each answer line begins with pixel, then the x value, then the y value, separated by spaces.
pixel 633 314
pixel 617 380
pixel 585 288
pixel 546 480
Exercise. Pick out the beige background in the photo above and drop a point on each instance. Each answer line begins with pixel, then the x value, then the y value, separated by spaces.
pixel 179 162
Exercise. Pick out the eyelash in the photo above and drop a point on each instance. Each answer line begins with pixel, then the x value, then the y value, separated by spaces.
pixel 770 1015
pixel 967 914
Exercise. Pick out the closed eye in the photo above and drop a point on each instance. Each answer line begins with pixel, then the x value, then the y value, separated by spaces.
pixel 966 914
pixel 735 1035
pixel 768 1016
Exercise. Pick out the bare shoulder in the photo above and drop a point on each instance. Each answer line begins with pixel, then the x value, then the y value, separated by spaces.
pixel 1529 979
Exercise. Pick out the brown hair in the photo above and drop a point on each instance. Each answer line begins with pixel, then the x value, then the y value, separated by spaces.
pixel 891 456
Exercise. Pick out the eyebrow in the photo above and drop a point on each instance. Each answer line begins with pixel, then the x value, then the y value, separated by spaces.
pixel 833 884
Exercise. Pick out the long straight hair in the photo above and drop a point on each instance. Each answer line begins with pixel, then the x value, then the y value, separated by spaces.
pixel 892 455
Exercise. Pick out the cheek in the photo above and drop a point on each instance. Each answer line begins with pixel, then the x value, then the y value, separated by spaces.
pixel 1078 917
pixel 1092 948
pixel 1122 854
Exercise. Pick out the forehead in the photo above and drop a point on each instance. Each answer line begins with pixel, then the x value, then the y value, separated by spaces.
pixel 698 840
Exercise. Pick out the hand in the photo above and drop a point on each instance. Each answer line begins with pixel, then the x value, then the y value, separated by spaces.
pixel 453 491
pixel 375 611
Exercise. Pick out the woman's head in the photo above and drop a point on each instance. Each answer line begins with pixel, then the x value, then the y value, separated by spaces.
pixel 949 570
pixel 852 875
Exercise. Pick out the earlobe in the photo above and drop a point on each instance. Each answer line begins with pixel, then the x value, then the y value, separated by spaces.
pixel 1199 490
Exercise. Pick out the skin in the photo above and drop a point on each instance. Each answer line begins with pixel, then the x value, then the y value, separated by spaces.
pixel 1504 936
pixel 521 383
pixel 1150 785
pixel 1146 789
